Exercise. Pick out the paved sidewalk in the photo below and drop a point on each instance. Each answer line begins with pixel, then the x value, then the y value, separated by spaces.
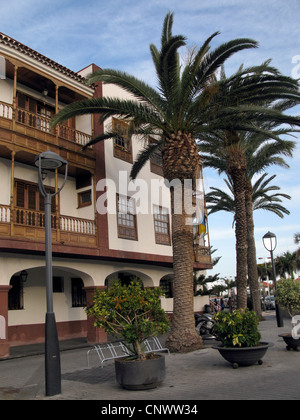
pixel 196 376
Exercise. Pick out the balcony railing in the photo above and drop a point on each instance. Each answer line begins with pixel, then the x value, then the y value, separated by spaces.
pixel 31 218
pixel 42 123
pixel 202 254
pixel 76 225
pixel 23 219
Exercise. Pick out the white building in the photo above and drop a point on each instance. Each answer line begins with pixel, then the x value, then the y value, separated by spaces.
pixel 89 248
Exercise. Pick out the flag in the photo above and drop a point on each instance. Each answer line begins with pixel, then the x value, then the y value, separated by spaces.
pixel 202 227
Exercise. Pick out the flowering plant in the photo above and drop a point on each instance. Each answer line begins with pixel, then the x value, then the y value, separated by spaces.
pixel 239 329
pixel 131 312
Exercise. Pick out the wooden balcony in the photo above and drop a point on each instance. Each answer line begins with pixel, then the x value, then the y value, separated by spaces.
pixel 202 254
pixel 41 123
pixel 30 224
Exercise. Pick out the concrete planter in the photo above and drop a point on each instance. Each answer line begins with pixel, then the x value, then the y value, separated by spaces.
pixel 140 374
pixel 291 343
pixel 244 356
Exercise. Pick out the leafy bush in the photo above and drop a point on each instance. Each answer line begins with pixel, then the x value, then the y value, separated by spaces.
pixel 288 296
pixel 239 329
pixel 130 312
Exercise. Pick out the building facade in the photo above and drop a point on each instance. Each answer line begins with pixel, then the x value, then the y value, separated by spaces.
pixel 94 240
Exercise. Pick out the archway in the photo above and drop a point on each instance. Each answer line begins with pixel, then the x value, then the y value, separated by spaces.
pixel 126 276
pixel 27 304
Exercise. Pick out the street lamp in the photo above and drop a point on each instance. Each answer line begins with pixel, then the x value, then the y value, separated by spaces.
pixel 270 243
pixel 47 161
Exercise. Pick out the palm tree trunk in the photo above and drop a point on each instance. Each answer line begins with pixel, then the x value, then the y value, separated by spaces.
pixel 237 170
pixel 180 161
pixel 252 265
pixel 183 336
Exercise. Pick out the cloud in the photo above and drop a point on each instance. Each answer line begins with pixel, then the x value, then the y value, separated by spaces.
pixel 117 34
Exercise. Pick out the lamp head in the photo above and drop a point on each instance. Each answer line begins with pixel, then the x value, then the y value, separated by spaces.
pixel 270 241
pixel 49 160
pixel 23 276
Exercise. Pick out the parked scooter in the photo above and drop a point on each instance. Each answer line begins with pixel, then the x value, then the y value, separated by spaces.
pixel 204 325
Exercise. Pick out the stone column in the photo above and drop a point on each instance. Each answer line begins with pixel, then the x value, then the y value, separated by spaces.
pixel 94 335
pixel 4 343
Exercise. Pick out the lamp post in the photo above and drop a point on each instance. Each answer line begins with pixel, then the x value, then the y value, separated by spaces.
pixel 270 243
pixel 47 161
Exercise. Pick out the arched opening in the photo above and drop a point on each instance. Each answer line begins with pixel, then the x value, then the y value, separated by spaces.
pixel 15 294
pixel 125 277
pixel 27 304
pixel 166 284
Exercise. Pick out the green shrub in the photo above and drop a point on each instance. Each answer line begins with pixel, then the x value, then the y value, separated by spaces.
pixel 239 329
pixel 288 295
pixel 130 312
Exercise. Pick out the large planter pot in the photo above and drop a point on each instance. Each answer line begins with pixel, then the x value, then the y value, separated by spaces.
pixel 140 374
pixel 244 356
pixel 291 343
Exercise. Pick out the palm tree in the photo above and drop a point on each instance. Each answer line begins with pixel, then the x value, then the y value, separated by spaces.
pixel 297 241
pixel 183 107
pixel 287 263
pixel 263 197
pixel 220 200
pixel 226 150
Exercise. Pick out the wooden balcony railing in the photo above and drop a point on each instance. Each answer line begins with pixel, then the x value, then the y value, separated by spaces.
pixel 31 218
pixel 6 110
pixel 30 224
pixel 42 123
pixel 202 254
pixel 76 225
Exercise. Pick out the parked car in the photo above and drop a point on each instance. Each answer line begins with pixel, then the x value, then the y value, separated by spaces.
pixel 270 302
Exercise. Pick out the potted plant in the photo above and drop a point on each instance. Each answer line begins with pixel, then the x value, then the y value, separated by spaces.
pixel 134 314
pixel 240 337
pixel 288 297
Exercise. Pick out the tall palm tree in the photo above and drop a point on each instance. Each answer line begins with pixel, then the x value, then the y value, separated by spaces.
pixel 182 107
pixel 226 150
pixel 263 197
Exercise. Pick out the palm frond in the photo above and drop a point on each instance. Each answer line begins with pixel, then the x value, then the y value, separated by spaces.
pixel 108 107
pixel 216 58
pixel 140 90
pixel 143 157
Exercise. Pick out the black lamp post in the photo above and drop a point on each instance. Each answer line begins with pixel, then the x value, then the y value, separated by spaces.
pixel 270 243
pixel 47 161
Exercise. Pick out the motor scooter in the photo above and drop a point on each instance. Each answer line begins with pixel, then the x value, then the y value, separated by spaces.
pixel 204 325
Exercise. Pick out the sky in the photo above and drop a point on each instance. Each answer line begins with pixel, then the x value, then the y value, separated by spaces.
pixel 117 33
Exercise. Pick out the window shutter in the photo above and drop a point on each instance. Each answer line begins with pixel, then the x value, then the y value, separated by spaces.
pixel 20 199
pixel 32 197
pixel 21 100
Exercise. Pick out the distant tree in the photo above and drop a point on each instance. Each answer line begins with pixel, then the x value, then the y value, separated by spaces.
pixel 287 264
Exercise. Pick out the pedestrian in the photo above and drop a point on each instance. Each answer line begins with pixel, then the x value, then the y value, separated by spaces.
pixel 216 305
pixel 222 304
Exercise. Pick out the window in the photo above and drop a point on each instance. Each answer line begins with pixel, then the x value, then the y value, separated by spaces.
pixel 15 295
pixel 85 198
pixel 29 203
pixel 34 113
pixel 83 180
pixel 161 225
pixel 58 284
pixel 122 141
pixel 166 284
pixel 78 293
pixel 126 218
pixel 156 160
